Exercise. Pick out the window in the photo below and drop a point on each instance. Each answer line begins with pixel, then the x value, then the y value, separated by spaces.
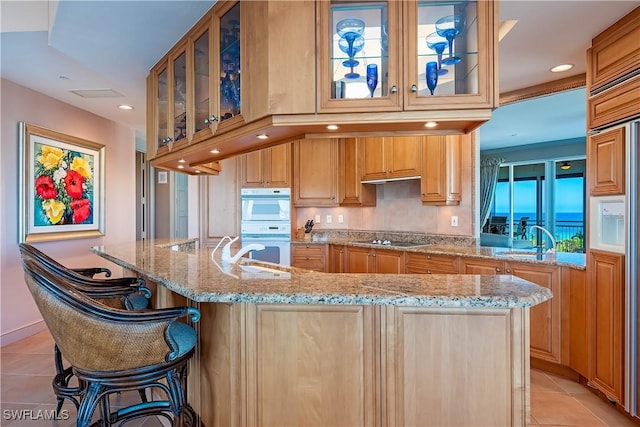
pixel 525 197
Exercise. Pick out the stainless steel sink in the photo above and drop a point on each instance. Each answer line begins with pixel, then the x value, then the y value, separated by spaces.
pixel 520 254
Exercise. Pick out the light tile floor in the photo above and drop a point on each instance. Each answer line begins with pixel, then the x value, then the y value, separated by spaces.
pixel 27 369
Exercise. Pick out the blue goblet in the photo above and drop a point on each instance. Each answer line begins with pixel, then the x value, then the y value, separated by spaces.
pixel 351 47
pixel 432 75
pixel 449 27
pixel 436 42
pixel 372 78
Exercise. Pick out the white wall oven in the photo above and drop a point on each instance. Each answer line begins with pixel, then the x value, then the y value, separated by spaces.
pixel 266 219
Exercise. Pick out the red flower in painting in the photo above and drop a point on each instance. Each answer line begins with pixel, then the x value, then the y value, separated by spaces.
pixel 73 184
pixel 45 187
pixel 81 210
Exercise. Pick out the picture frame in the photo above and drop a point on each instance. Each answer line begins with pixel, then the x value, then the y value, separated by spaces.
pixel 62 181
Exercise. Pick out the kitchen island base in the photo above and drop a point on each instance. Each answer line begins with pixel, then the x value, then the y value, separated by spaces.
pixel 361 365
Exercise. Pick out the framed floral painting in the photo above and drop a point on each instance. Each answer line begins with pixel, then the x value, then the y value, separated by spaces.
pixel 62 186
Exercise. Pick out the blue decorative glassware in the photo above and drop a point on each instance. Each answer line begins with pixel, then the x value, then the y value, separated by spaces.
pixel 351 48
pixel 372 78
pixel 432 75
pixel 449 27
pixel 436 42
pixel 350 30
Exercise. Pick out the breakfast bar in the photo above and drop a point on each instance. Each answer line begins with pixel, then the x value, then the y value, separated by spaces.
pixel 286 346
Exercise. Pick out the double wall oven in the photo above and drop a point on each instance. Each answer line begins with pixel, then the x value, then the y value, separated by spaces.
pixel 266 219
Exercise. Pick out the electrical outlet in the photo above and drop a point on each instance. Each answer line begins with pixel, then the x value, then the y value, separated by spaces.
pixel 454 221
pixel 340 219
pixel 329 219
pixel 317 221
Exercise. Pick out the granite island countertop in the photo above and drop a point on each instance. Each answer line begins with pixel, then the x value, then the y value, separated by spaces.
pixel 201 278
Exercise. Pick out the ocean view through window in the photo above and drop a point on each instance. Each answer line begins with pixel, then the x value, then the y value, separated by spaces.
pixel 526 197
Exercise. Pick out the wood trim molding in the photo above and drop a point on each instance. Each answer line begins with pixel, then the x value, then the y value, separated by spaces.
pixel 544 89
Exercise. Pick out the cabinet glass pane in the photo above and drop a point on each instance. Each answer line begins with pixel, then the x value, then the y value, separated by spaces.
pixel 162 107
pixel 180 97
pixel 448 46
pixel 230 63
pixel 201 81
pixel 359 49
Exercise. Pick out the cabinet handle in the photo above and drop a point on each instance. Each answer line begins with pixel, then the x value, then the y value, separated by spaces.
pixel 428 271
pixel 414 88
pixel 394 89
pixel 509 270
pixel 428 256
pixel 497 269
pixel 167 139
pixel 210 120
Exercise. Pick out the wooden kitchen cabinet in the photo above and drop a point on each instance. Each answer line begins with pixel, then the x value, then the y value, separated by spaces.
pixel 395 44
pixel 441 182
pixel 606 276
pixel 545 318
pixel 311 256
pixel 391 158
pixel 481 266
pixel 298 356
pixel 369 260
pixel 419 263
pixel 606 156
pixel 615 52
pixel 315 177
pixel 351 190
pixel 576 309
pixel 337 259
pixel 270 167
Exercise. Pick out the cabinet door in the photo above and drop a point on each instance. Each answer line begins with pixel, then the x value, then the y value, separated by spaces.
pixel 337 259
pixel 441 170
pixel 461 77
pixel 545 318
pixel 311 257
pixel 375 163
pixel 607 323
pixel 279 166
pixel 158 87
pixel 404 155
pixel 346 80
pixel 351 190
pixel 253 172
pixel 178 96
pixel 359 260
pixel 388 261
pixel 575 289
pixel 297 356
pixel 481 266
pixel 315 172
pixel 203 122
pixel 606 162
pixel 230 61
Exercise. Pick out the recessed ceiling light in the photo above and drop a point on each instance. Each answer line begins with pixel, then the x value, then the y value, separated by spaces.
pixel 125 107
pixel 180 167
pixel 215 151
pixel 430 124
pixel 262 136
pixel 332 127
pixel 197 171
pixel 561 68
pixel 182 161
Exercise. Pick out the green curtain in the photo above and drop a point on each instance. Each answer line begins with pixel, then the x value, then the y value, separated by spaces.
pixel 489 168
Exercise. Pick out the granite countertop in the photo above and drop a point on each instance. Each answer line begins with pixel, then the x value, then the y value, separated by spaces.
pixel 200 278
pixel 563 259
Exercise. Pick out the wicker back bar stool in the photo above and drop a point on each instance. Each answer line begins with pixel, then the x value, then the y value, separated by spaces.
pixel 113 350
pixel 126 293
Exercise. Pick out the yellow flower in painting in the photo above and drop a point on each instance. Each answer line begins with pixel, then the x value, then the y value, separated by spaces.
pixel 81 166
pixel 50 157
pixel 54 210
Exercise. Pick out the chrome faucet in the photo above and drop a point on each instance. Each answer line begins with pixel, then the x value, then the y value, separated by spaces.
pixel 551 250
pixel 226 250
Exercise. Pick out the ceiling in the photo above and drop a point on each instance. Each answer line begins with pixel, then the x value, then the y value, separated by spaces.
pixel 55 47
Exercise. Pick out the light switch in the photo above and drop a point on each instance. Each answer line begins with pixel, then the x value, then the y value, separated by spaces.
pixel 329 219
pixel 454 221
pixel 340 219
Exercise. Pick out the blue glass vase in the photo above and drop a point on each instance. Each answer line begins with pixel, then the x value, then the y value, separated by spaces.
pixel 432 75
pixel 372 78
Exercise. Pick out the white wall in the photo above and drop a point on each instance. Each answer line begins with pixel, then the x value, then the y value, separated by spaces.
pixel 19 316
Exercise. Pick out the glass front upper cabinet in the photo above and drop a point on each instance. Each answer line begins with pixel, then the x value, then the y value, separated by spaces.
pixel 162 108
pixel 449 53
pixel 229 63
pixel 179 97
pixel 359 59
